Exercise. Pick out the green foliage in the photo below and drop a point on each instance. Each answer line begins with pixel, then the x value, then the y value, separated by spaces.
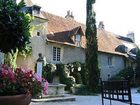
pixel 37 88
pixel 80 89
pixel 64 78
pixel 92 48
pixel 124 74
pixel 138 65
pixel 14 32
pixel 48 71
pixel 84 74
pixel 138 68
pixel 27 51
pixel 69 73
pixel 75 71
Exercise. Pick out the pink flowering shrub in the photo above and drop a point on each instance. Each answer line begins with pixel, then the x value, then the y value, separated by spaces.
pixel 20 81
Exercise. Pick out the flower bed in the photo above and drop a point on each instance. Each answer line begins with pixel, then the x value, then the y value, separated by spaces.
pixel 20 81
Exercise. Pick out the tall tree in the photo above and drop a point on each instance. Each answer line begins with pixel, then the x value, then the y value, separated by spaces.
pixel 14 29
pixel 92 48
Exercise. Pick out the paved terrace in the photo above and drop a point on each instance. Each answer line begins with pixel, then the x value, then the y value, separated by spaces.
pixel 92 100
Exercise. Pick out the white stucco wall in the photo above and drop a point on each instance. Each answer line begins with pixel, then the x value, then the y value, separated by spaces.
pixel 38 44
pixel 68 53
pixel 118 64
pixel 72 54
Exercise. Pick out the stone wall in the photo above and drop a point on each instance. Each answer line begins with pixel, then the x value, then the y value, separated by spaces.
pixel 68 53
pixel 117 65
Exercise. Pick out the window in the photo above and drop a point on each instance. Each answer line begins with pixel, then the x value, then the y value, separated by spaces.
pixel 36 12
pixel 109 60
pixel 56 53
pixel 78 37
pixel 38 33
pixel 77 40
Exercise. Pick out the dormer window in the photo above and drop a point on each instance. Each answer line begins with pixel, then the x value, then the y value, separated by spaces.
pixel 78 38
pixel 36 12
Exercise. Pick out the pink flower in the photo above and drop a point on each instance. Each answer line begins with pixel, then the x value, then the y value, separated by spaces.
pixel 37 77
pixel 20 81
pixel 45 87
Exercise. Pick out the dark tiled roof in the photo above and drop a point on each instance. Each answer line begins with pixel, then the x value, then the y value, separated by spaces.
pixel 60 24
pixel 124 39
pixel 107 42
pixel 62 37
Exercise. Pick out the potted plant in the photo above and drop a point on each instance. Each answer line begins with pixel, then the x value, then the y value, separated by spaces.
pixel 19 85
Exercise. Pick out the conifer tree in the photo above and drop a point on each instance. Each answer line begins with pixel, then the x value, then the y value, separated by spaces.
pixel 92 48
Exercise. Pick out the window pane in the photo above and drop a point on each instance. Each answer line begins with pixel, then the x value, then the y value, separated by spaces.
pixel 58 54
pixel 77 38
pixel 54 53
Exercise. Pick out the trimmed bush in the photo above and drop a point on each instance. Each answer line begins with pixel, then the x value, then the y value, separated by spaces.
pixel 63 73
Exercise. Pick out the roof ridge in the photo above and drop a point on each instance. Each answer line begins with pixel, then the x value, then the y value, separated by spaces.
pixel 61 17
pixel 28 2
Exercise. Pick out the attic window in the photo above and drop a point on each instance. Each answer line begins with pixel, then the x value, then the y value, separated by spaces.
pixel 36 12
pixel 78 37
pixel 77 40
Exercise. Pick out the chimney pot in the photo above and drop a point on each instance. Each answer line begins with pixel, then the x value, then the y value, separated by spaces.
pixel 131 35
pixel 69 15
pixel 101 25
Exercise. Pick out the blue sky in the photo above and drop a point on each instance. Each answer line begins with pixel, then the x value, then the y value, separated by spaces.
pixel 119 16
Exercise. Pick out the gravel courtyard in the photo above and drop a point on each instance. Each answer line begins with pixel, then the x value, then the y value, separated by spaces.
pixel 92 100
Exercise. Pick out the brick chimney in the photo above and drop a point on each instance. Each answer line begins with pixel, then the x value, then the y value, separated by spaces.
pixel 131 35
pixel 69 15
pixel 101 25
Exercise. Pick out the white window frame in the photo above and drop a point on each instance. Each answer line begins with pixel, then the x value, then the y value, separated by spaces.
pixel 56 54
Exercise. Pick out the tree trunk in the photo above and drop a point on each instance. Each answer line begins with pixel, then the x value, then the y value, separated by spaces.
pixel 92 48
pixel 10 59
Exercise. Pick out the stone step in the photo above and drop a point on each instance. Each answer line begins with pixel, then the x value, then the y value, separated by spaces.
pixel 54 99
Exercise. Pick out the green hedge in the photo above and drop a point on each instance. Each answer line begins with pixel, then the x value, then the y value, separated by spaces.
pixel 69 74
pixel 124 74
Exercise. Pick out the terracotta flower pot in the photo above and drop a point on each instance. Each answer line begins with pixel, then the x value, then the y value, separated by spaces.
pixel 15 100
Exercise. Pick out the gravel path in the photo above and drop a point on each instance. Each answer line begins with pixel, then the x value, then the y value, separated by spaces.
pixel 82 100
